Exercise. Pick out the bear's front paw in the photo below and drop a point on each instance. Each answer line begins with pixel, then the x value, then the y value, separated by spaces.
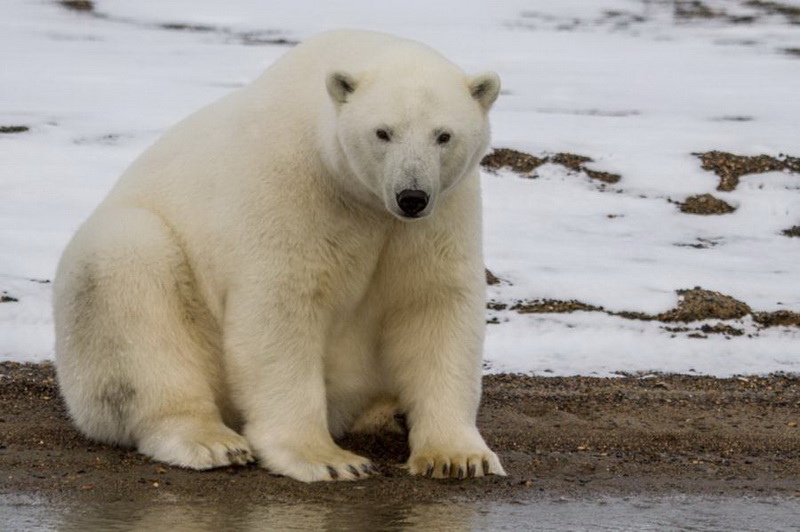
pixel 319 463
pixel 458 463
pixel 195 444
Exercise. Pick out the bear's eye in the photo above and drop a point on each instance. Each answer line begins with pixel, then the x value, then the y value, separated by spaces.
pixel 383 135
pixel 443 138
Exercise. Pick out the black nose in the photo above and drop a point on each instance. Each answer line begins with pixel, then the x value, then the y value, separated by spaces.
pixel 412 202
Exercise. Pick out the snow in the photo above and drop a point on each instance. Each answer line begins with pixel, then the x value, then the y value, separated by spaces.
pixel 625 82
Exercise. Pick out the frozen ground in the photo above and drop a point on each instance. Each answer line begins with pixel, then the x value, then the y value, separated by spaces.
pixel 638 86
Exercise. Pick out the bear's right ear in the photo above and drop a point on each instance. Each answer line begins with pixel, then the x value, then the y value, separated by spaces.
pixel 340 85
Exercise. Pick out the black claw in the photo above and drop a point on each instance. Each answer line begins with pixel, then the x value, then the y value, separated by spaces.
pixel 367 469
pixel 460 472
pixel 429 470
pixel 333 473
pixel 354 471
pixel 446 470
pixel 239 456
pixel 472 470
pixel 486 467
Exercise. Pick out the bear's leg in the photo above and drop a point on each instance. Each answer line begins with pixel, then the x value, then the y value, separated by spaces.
pixel 137 352
pixel 275 340
pixel 432 346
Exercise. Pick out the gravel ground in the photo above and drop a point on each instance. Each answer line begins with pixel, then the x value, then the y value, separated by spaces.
pixel 576 437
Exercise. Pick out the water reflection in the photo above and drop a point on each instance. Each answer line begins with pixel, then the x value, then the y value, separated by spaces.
pixel 256 518
pixel 636 513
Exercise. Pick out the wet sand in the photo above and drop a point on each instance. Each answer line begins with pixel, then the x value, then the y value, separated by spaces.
pixel 573 437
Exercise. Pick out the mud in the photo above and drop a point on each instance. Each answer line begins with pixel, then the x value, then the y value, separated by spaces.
pixel 576 436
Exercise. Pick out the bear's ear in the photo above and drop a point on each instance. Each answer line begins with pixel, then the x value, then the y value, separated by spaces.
pixel 485 88
pixel 340 85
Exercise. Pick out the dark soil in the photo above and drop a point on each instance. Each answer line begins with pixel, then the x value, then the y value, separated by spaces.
pixel 516 161
pixel 14 129
pixel 78 5
pixel 688 10
pixel 699 304
pixel 694 9
pixel 570 160
pixel 197 28
pixel 573 436
pixel 5 298
pixel 525 164
pixel 721 328
pixel 705 204
pixel 735 118
pixel 553 305
pixel 694 305
pixel 250 38
pixel 605 177
pixel 730 167
pixel 780 318
pixel 792 231
pixel 790 12
pixel 492 279
pixel 701 243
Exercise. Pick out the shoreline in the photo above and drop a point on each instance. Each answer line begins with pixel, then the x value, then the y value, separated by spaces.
pixel 576 437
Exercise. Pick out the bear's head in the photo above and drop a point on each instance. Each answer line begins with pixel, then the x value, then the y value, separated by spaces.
pixel 408 135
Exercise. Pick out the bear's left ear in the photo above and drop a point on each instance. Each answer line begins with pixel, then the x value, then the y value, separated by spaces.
pixel 485 88
pixel 340 85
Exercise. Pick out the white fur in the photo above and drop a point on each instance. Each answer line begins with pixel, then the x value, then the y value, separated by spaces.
pixel 250 285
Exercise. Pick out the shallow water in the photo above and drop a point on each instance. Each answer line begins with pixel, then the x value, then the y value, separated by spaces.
pixel 693 513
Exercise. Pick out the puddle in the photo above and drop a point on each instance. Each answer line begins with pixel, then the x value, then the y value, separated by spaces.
pixel 640 514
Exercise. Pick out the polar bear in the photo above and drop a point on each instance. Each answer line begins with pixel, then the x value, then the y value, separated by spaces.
pixel 284 259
